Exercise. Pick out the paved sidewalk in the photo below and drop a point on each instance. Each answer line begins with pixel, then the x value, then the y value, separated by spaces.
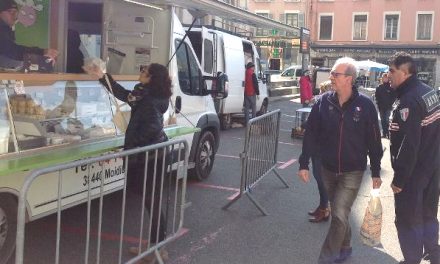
pixel 242 235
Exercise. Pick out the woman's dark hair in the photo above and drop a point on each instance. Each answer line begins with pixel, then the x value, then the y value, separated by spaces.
pixel 160 80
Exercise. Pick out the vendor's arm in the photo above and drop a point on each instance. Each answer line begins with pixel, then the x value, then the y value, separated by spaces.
pixel 9 48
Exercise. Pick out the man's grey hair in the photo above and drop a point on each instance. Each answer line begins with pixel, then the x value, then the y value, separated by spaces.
pixel 351 67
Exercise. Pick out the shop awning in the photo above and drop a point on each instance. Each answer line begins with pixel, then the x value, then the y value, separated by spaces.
pixel 368 65
pixel 227 11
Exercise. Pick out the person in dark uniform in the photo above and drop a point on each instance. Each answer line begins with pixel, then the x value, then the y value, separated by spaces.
pixel 415 158
pixel 9 50
pixel 384 99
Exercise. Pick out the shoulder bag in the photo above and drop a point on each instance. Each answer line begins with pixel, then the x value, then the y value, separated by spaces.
pixel 121 118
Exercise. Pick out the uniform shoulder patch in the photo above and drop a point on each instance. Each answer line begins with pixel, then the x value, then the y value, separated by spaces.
pixel 431 100
pixel 404 113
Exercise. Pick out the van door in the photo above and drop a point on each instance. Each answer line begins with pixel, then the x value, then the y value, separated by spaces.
pixel 209 52
pixel 235 69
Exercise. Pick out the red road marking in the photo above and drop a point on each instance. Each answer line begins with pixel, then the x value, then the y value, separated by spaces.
pixel 236 157
pixel 203 185
pixel 287 164
pixel 291 144
pixel 109 236
pixel 280 142
pixel 232 197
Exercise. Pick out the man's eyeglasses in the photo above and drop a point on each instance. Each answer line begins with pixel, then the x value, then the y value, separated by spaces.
pixel 336 74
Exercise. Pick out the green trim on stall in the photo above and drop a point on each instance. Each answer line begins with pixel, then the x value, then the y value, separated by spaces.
pixel 76 152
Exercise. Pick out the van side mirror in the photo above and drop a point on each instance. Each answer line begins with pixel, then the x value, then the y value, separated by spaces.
pixel 220 85
pixel 178 104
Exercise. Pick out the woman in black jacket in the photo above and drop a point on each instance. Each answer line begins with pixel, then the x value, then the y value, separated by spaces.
pixel 148 101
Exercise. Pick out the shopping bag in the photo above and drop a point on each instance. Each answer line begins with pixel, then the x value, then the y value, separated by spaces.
pixel 121 118
pixel 372 223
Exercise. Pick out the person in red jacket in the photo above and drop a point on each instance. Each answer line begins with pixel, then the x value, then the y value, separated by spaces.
pixel 251 92
pixel 305 92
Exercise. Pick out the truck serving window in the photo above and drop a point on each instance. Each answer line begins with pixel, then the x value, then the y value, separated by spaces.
pixel 188 70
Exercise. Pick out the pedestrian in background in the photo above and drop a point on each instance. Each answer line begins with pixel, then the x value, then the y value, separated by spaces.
pixel 306 93
pixel 325 87
pixel 385 97
pixel 322 212
pixel 343 127
pixel 251 92
pixel 415 158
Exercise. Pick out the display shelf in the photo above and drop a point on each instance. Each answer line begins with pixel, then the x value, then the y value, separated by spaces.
pixel 56 113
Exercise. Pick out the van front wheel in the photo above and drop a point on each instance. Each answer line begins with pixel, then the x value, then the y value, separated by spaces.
pixel 8 226
pixel 204 158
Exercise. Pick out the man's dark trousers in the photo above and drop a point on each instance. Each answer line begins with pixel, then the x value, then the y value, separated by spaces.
pixel 416 218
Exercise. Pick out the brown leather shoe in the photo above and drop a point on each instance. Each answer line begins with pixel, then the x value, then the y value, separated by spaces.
pixel 313 212
pixel 322 215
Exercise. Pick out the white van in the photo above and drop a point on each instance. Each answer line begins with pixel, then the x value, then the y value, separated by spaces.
pixel 129 36
pixel 289 77
pixel 224 52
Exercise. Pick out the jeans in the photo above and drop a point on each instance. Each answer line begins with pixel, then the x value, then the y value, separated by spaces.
pixel 250 103
pixel 416 218
pixel 385 120
pixel 342 191
pixel 317 168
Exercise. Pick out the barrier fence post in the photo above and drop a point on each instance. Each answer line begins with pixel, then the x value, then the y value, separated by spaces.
pixel 259 157
pixel 166 193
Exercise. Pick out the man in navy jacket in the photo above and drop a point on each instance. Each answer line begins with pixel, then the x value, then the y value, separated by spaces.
pixel 343 128
pixel 415 157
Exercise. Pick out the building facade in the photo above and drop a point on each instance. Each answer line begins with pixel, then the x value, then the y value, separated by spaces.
pixel 376 29
pixel 362 29
pixel 279 49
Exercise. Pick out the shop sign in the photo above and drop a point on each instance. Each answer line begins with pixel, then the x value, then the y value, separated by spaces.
pixel 413 51
pixel 304 41
pixel 410 51
pixel 346 50
pixel 277 43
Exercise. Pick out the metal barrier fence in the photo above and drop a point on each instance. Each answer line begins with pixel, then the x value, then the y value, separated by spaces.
pixel 160 193
pixel 259 157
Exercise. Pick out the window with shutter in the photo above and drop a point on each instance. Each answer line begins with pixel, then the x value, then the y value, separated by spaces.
pixel 424 26
pixel 391 26
pixel 360 22
pixel 325 27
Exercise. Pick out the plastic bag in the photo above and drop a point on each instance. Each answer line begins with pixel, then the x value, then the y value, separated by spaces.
pixel 372 224
pixel 121 118
pixel 90 63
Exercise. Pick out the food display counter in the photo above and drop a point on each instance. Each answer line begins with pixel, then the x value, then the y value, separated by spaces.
pixel 48 119
pixel 38 111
